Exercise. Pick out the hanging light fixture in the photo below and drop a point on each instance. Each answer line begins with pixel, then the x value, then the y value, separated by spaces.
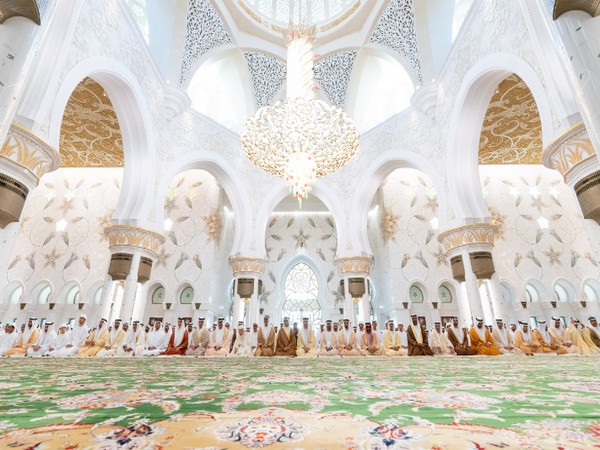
pixel 300 138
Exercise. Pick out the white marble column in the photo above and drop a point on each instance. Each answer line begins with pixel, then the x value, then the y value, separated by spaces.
pixel 464 307
pixel 254 310
pixel 117 303
pixel 495 293
pixel 139 305
pixel 106 298
pixel 348 302
pixel 486 303
pixel 238 310
pixel 472 287
pixel 131 287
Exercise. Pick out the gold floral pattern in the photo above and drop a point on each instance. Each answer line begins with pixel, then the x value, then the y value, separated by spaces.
pixel 569 149
pixel 125 235
pixel 472 234
pixel 511 131
pixel 355 264
pixel 240 265
pixel 389 225
pixel 90 135
pixel 213 227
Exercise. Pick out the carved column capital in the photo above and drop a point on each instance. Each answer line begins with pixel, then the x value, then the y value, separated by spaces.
pixel 129 239
pixel 571 154
pixel 244 267
pixel 471 237
pixel 355 265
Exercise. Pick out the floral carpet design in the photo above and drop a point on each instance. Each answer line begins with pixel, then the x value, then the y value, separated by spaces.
pixel 277 403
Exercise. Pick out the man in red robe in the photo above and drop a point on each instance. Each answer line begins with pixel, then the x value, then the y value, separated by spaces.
pixel 179 340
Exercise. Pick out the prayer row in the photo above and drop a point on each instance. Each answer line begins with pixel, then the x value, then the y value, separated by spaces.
pixel 154 339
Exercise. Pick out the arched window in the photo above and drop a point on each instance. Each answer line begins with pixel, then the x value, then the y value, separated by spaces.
pixel 445 294
pixel 561 293
pixel 415 294
pixel 44 295
pixel 158 296
pixel 98 295
pixel 507 293
pixel 301 291
pixel 531 293
pixel 187 295
pixel 591 290
pixel 15 296
pixel 73 295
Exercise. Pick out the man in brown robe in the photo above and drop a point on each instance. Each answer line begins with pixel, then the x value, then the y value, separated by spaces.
pixel 178 343
pixel 286 340
pixel 594 331
pixel 266 339
pixel 418 344
pixel 459 340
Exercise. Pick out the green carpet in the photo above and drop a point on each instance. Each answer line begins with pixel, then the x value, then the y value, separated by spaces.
pixel 540 402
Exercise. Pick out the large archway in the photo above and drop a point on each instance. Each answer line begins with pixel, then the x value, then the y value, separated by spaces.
pixel 301 295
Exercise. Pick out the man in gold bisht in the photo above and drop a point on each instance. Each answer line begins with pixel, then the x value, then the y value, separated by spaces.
pixel 524 340
pixel 286 340
pixel 369 342
pixel 307 342
pixel 418 345
pixel 392 345
pixel 200 340
pixel 26 340
pixel 458 338
pixel 329 341
pixel 561 337
pixel 481 339
pixel 266 338
pixel 219 344
pixel 347 345
pixel 95 341
pixel 114 341
pixel 503 339
pixel 438 341
pixel 542 338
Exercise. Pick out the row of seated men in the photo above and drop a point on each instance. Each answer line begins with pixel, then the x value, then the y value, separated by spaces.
pixel 120 339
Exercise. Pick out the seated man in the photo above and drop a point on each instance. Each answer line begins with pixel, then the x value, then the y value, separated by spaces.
pixel 134 341
pixel 369 345
pixel 594 331
pixel 8 338
pixel 417 338
pixel 95 341
pixel 560 337
pixel 115 339
pixel 179 340
pixel 157 340
pixel 524 340
pixel 458 338
pixel 392 346
pixel 266 338
pixel 27 338
pixel 242 347
pixel 200 340
pixel 403 337
pixel 46 339
pixel 481 340
pixel 503 339
pixel 62 339
pixel 347 345
pixel 438 341
pixel 77 339
pixel 307 342
pixel 329 341
pixel 542 338
pixel 219 345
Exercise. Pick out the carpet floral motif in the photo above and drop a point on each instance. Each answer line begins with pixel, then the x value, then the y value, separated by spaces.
pixel 374 403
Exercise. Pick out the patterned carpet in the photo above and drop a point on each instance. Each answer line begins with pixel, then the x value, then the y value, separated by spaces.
pixel 362 403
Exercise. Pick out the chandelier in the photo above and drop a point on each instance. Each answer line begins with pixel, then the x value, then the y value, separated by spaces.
pixel 300 138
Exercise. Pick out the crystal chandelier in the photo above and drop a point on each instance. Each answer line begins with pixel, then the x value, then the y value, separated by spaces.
pixel 301 138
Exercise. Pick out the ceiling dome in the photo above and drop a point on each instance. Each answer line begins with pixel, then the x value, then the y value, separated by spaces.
pixel 277 14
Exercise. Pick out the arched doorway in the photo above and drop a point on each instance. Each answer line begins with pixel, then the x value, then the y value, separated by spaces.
pixel 301 295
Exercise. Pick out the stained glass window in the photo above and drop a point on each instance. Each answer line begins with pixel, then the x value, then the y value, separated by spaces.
pixel 301 291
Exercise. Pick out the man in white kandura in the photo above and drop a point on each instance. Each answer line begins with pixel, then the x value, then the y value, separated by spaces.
pixel 46 339
pixel 157 340
pixel 242 347
pixel 77 339
pixel 329 341
pixel 307 341
pixel 8 338
pixel 62 339
pixel 114 340
pixel 134 341
pixel 392 346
